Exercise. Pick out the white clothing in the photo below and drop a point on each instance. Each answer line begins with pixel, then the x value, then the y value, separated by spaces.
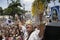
pixel 25 36
pixel 23 29
pixel 34 35
pixel 3 38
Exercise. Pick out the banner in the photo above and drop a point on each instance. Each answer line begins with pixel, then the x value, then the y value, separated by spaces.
pixel 55 12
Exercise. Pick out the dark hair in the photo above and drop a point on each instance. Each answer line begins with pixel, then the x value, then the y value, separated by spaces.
pixel 55 11
pixel 9 21
pixel 55 15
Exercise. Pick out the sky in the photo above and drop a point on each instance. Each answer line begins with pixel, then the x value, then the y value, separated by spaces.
pixel 28 4
pixel 3 3
pixel 54 3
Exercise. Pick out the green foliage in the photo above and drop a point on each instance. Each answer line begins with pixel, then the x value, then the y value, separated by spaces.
pixel 7 11
pixel 1 11
pixel 13 8
pixel 43 1
pixel 59 0
pixel 48 1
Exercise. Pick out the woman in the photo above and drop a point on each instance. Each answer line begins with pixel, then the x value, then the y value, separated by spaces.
pixel 31 33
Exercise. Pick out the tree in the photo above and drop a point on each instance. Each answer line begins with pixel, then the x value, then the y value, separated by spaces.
pixel 1 11
pixel 7 11
pixel 14 8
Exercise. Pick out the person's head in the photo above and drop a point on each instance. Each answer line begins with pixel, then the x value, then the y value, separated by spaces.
pixel 29 26
pixel 55 12
pixel 54 16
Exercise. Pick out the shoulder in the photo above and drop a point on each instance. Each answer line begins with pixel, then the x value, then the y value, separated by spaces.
pixel 34 35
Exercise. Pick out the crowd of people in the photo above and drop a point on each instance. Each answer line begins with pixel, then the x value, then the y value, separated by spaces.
pixel 20 31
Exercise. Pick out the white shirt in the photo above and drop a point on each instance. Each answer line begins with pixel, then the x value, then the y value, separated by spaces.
pixel 34 35
pixel 25 32
pixel 25 36
pixel 23 29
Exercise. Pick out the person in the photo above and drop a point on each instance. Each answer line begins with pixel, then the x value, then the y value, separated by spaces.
pixel 31 33
pixel 55 15
pixel 22 27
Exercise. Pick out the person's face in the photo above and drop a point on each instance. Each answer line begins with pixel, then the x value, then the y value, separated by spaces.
pixel 54 12
pixel 29 28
